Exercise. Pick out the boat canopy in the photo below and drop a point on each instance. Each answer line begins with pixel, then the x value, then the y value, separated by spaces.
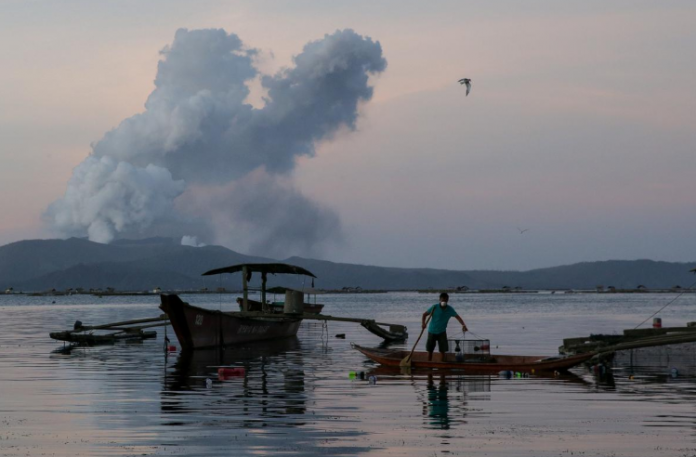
pixel 273 268
pixel 282 290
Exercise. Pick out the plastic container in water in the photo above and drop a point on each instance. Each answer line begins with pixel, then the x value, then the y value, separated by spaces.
pixel 224 373
pixel 372 379
pixel 657 322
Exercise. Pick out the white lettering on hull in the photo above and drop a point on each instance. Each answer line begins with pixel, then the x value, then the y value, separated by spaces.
pixel 199 319
pixel 252 329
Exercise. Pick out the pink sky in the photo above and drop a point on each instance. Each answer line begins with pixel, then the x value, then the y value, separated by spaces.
pixel 579 125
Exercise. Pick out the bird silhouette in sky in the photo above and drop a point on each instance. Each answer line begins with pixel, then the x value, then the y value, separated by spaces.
pixel 522 230
pixel 467 82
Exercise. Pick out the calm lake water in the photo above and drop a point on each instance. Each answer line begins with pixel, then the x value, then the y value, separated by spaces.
pixel 297 398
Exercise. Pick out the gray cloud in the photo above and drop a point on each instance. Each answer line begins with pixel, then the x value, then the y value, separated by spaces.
pixel 197 130
pixel 266 213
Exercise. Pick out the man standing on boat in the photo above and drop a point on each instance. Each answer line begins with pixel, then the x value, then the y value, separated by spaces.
pixel 437 329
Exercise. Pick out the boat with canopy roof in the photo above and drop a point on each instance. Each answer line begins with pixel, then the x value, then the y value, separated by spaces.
pixel 197 327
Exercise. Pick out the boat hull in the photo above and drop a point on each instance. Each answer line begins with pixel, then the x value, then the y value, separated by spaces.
pixel 496 363
pixel 198 328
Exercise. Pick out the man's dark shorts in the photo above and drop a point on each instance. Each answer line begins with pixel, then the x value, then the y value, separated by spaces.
pixel 440 338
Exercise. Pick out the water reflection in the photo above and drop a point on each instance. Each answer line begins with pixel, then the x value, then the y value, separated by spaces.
pixel 272 383
pixel 679 357
pixel 436 408
pixel 296 398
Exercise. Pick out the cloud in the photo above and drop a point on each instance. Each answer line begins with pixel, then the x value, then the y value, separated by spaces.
pixel 198 132
pixel 266 213
pixel 105 197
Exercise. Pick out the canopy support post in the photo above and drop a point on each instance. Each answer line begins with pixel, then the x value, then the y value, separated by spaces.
pixel 264 306
pixel 245 288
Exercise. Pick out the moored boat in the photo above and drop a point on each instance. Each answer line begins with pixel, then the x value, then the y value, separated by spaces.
pixel 475 364
pixel 197 327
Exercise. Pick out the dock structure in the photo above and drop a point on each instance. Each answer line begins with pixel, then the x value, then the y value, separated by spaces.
pixel 630 339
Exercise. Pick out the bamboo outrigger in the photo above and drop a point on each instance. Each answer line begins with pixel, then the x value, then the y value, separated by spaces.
pixel 124 330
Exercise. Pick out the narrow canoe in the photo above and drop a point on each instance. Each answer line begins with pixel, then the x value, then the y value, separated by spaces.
pixel 492 364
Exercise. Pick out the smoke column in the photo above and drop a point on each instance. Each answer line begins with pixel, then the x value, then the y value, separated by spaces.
pixel 199 161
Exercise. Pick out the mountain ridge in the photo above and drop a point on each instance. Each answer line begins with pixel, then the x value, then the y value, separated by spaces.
pixel 37 265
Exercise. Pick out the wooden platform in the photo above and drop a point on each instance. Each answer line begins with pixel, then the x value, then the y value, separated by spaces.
pixel 630 339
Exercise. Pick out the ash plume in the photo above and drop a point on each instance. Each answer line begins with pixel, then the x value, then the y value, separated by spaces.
pixel 199 140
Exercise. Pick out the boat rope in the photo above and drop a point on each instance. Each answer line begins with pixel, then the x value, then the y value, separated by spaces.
pixel 670 302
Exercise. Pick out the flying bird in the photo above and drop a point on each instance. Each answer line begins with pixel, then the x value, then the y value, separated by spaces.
pixel 522 230
pixel 466 81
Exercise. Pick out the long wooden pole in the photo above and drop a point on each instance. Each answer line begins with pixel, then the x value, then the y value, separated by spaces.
pixel 122 323
pixel 406 362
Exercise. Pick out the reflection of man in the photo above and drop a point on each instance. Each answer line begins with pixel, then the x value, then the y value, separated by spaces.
pixel 437 329
pixel 438 403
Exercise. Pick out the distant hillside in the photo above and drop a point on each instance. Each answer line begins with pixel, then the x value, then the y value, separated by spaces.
pixel 622 274
pixel 338 275
pixel 125 265
pixel 37 265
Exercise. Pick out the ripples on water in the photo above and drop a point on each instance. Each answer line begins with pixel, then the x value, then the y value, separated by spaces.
pixel 296 397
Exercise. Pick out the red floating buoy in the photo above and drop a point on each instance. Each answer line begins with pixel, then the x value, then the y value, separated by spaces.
pixel 230 372
pixel 171 348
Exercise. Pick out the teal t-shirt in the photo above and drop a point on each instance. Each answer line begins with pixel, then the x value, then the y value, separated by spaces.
pixel 438 323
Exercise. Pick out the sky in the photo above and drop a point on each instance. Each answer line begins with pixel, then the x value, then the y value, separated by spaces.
pixel 579 128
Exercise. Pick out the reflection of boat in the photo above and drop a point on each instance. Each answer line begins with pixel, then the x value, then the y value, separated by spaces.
pixel 491 364
pixel 192 366
pixel 476 382
pixel 272 383
pixel 197 327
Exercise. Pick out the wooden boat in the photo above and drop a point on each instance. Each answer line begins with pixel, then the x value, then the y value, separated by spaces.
pixel 476 364
pixel 197 327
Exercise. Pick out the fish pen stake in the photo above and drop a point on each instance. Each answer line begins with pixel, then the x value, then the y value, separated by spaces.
pixel 670 302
